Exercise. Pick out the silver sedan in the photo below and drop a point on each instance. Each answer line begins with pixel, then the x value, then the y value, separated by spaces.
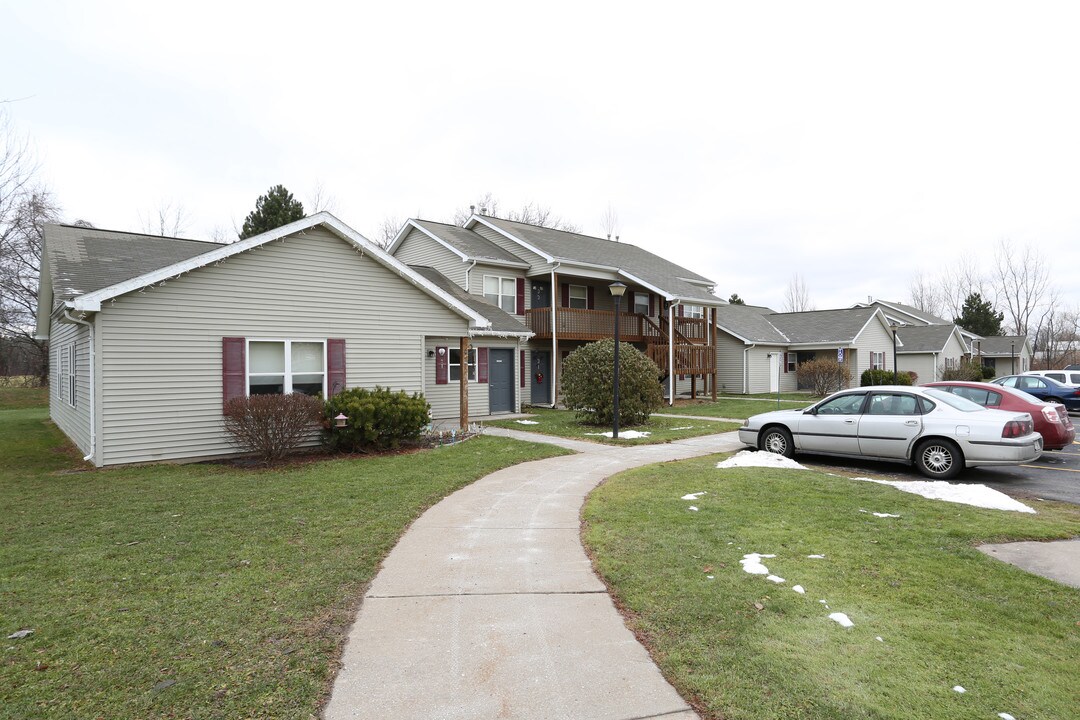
pixel 939 433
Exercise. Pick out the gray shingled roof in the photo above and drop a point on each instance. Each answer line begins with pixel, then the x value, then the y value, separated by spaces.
pixel 82 260
pixel 1000 345
pixel 501 321
pixel 819 326
pixel 916 312
pixel 470 244
pixel 924 338
pixel 574 247
pixel 750 322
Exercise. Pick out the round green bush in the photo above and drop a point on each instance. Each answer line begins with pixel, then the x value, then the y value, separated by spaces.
pixel 588 384
pixel 886 377
pixel 377 419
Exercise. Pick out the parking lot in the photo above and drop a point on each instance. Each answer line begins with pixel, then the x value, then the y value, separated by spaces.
pixel 1054 476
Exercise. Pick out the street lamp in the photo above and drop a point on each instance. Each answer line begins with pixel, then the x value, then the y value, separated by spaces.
pixel 617 289
pixel 894 327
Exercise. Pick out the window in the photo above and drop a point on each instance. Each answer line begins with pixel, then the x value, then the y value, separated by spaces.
pixel 892 404
pixel 641 303
pixel 501 292
pixel 280 367
pixel 579 297
pixel 455 363
pixel 72 374
pixel 952 363
pixel 792 360
pixel 877 360
pixel 694 311
pixel 842 405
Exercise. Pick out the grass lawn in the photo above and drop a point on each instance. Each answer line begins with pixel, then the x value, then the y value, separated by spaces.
pixel 736 408
pixel 661 430
pixel 195 591
pixel 930 612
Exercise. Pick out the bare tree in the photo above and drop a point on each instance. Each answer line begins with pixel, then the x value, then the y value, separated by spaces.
pixel 1057 339
pixel 962 279
pixel 320 199
pixel 167 220
pixel 1023 281
pixel 387 231
pixel 529 213
pixel 797 297
pixel 609 222
pixel 928 295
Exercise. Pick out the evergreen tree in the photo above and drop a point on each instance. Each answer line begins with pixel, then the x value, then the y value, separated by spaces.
pixel 735 299
pixel 978 316
pixel 276 208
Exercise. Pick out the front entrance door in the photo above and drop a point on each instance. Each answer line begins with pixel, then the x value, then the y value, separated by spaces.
pixel 774 372
pixel 541 377
pixel 541 294
pixel 500 380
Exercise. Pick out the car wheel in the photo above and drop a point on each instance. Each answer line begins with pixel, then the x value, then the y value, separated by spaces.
pixel 939 459
pixel 777 440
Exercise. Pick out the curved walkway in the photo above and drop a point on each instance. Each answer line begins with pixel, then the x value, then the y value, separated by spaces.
pixel 488 606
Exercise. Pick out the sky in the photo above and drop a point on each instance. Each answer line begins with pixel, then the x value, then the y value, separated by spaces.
pixel 855 144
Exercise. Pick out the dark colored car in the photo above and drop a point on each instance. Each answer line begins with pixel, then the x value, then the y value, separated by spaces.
pixel 1051 419
pixel 1072 367
pixel 1044 389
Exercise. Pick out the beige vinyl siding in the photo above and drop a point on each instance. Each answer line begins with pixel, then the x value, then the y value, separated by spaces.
pixel 477 273
pixel 923 364
pixel 758 370
pixel 161 348
pixel 537 264
pixel 73 421
pixel 729 363
pixel 875 337
pixel 445 399
pixel 419 249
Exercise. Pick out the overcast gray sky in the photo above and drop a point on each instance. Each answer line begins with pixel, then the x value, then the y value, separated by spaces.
pixel 854 143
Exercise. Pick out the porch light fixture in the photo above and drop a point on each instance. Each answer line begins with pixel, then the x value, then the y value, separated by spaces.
pixel 617 290
pixel 341 421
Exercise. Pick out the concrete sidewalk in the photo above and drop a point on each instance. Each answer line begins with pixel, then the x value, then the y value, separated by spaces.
pixel 1058 560
pixel 488 606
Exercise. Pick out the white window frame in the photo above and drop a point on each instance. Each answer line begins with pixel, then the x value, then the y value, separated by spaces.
pixel 287 382
pixel 877 360
pixel 695 312
pixel 792 361
pixel 497 298
pixel 584 299
pixel 72 379
pixel 641 303
pixel 450 365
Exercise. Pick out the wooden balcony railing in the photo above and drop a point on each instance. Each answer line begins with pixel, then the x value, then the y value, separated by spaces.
pixel 689 359
pixel 575 324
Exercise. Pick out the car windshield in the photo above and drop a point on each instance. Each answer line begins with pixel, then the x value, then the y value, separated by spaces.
pixel 953 401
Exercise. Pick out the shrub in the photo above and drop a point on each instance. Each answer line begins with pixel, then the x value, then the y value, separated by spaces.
pixel 823 375
pixel 377 419
pixel 887 377
pixel 966 370
pixel 988 373
pixel 588 384
pixel 271 426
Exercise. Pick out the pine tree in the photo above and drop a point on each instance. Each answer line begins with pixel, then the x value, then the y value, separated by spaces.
pixel 978 316
pixel 735 299
pixel 276 208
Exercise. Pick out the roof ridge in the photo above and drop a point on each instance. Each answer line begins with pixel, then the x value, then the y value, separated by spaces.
pixel 143 235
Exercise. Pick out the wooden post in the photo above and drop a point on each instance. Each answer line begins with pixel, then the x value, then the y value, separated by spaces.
pixel 555 295
pixel 693 387
pixel 716 363
pixel 464 398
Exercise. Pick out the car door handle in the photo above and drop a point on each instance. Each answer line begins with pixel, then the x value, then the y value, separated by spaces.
pixel 849 422
pixel 912 423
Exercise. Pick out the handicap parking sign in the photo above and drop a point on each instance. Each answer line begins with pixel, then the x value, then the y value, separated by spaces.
pixel 839 355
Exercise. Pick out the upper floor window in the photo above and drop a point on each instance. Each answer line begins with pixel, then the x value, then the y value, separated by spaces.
pixel 579 297
pixel 641 303
pixel 280 367
pixel 694 311
pixel 501 292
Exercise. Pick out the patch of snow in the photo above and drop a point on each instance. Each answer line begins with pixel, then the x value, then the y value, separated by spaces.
pixel 843 619
pixel 711 577
pixel 885 515
pixel 750 458
pixel 687 427
pixel 959 689
pixel 977 495
pixel 751 563
pixel 694 508
pixel 799 589
pixel 624 434
pixel 693 496
pixel 825 604
pixel 816 557
pixel 878 638
pixel 1006 716
pixel 776 579
pixel 526 422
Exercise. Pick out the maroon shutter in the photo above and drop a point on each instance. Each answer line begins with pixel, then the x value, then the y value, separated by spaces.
pixel 785 362
pixel 233 383
pixel 652 311
pixel 630 307
pixel 442 365
pixel 566 294
pixel 590 295
pixel 522 366
pixel 482 364
pixel 521 296
pixel 335 366
pixel 681 308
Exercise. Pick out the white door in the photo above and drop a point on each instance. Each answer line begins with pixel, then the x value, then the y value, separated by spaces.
pixel 774 372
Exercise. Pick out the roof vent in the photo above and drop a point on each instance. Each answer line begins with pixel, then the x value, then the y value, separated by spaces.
pixel 472 209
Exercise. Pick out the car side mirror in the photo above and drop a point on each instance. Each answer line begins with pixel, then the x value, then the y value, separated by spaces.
pixel 810 411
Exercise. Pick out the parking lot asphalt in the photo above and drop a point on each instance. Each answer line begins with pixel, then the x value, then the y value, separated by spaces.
pixel 1054 476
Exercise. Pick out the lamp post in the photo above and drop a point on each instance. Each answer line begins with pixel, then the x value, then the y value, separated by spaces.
pixel 894 327
pixel 617 289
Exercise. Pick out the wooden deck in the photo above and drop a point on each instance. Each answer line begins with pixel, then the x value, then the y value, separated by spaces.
pixel 575 324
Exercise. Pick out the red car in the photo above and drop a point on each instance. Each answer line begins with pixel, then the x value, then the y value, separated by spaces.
pixel 1051 419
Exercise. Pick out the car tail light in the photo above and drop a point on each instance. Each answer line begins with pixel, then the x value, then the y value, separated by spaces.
pixel 1016 428
pixel 1052 414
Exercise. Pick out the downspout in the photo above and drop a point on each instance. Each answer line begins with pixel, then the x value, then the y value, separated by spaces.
pixel 746 369
pixel 554 340
pixel 671 353
pixel 93 398
pixel 467 271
